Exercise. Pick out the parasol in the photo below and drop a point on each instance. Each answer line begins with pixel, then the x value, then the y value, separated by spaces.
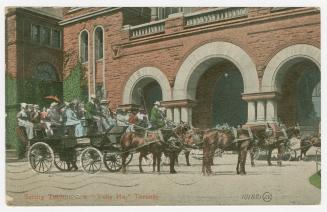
pixel 54 98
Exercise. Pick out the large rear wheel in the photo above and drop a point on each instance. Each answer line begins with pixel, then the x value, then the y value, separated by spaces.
pixel 60 164
pixel 41 157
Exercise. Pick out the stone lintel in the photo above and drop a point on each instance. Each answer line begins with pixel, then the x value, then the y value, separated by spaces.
pixel 260 96
pixel 178 103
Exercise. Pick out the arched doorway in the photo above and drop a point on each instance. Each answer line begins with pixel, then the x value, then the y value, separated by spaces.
pixel 145 86
pixel 219 96
pixel 299 80
pixel 44 82
pixel 146 92
pixel 196 68
pixel 294 74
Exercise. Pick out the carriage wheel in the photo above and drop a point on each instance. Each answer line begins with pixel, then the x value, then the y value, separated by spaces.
pixel 129 158
pixel 60 164
pixel 289 154
pixel 256 153
pixel 91 160
pixel 41 157
pixel 113 161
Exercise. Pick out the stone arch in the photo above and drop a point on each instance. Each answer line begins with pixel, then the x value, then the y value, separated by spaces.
pixel 206 55
pixel 146 73
pixel 304 51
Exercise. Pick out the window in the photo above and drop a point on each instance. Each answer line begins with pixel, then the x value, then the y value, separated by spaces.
pixel 35 33
pixel 84 43
pixel 45 72
pixel 45 35
pixel 56 38
pixel 98 43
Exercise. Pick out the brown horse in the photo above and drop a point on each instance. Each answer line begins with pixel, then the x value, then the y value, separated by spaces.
pixel 192 139
pixel 307 142
pixel 225 140
pixel 270 140
pixel 144 143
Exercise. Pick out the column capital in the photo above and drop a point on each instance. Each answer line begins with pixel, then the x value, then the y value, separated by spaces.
pixel 260 96
pixel 178 103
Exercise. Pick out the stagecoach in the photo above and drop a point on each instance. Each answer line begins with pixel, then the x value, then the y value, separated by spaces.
pixel 62 149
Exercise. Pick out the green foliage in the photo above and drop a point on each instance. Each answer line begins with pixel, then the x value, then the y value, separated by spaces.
pixel 315 180
pixel 11 111
pixel 11 90
pixel 74 85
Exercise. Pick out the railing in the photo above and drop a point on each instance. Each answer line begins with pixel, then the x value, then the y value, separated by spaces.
pixel 147 29
pixel 215 15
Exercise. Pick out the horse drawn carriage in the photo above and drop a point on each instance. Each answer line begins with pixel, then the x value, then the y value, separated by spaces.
pixel 63 150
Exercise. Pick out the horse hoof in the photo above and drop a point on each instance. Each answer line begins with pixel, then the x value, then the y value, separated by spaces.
pixel 188 165
pixel 243 173
pixel 173 172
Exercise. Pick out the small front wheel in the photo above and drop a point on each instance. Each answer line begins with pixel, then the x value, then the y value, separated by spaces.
pixel 112 161
pixel 91 160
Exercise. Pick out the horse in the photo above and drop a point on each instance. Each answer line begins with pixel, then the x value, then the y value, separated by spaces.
pixel 165 140
pixel 144 143
pixel 307 142
pixel 192 139
pixel 226 140
pixel 266 139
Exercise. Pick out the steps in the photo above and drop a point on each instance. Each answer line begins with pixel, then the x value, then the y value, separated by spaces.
pixel 11 156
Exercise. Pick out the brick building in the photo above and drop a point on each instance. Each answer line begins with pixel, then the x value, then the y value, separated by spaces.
pixel 206 65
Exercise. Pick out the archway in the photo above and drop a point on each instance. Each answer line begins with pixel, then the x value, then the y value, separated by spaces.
pixel 146 92
pixel 198 64
pixel 294 73
pixel 219 97
pixel 44 82
pixel 300 93
pixel 148 82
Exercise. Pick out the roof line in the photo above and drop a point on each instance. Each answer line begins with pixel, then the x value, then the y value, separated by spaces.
pixel 87 16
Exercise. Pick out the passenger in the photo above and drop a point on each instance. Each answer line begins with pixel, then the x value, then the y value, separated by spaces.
pixel 72 120
pixel 92 113
pixel 156 118
pixel 106 118
pixel 122 117
pixel 23 121
pixel 45 120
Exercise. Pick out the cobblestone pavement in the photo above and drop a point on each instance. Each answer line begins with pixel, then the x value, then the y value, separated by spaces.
pixel 288 184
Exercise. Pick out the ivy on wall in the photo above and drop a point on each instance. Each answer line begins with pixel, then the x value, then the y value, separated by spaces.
pixel 75 84
pixel 11 111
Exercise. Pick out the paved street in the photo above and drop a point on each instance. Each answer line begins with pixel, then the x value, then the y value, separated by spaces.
pixel 288 184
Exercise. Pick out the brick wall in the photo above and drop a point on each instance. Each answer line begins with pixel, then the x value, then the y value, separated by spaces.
pixel 261 35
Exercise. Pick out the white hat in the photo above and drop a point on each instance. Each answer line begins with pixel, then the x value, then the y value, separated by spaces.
pixel 53 104
pixel 23 104
pixel 92 96
pixel 157 103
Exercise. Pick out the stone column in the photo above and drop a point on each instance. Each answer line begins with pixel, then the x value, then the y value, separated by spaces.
pixel 271 110
pixel 170 114
pixel 190 116
pixel 260 110
pixel 251 111
pixel 184 114
pixel 177 115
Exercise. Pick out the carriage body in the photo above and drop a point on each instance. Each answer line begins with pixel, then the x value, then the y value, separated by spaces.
pixel 63 149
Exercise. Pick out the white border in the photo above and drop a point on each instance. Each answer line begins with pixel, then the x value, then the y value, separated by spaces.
pixel 177 3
